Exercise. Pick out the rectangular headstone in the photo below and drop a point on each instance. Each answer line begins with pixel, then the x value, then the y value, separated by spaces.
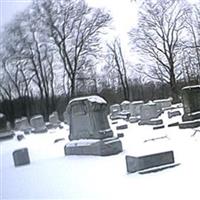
pixel 135 164
pixel 21 157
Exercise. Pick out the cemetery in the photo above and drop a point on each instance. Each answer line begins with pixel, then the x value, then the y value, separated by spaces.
pixel 93 146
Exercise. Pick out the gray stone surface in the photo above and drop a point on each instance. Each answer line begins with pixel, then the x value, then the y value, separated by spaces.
pixel 163 104
pixel 125 106
pixel 105 147
pixel 135 108
pixel 121 127
pixel 120 135
pixel 66 117
pixel 149 111
pixel 54 120
pixel 88 118
pixel 114 110
pixel 173 124
pixel 135 164
pixel 37 122
pixel 191 102
pixel 158 127
pixel 173 113
pixel 151 122
pixel 21 157
pixel 189 124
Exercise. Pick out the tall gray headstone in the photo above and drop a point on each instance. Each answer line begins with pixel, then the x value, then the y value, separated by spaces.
pixel 191 102
pixel 89 128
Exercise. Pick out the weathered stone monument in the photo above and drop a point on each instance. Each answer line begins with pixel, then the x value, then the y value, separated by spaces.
pixel 125 105
pixel 5 131
pixel 135 164
pixel 37 122
pixel 191 102
pixel 90 133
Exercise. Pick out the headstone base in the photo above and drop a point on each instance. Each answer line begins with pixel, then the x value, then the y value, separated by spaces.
pixel 105 147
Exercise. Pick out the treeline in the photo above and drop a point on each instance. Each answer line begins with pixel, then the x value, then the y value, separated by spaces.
pixel 52 52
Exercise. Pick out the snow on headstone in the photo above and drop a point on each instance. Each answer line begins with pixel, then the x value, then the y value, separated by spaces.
pixel 125 105
pixel 191 102
pixel 115 109
pixel 88 118
pixel 37 122
pixel 25 126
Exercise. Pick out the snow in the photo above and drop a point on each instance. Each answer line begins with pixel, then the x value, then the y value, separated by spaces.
pixel 191 87
pixel 52 175
pixel 93 99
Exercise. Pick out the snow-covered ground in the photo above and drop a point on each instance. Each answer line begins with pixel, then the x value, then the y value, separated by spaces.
pixel 52 175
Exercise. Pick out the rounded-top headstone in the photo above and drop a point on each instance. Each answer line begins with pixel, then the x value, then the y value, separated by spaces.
pixel 88 118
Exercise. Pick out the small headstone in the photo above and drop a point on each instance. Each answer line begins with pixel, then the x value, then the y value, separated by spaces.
pixel 135 164
pixel 115 122
pixel 20 137
pixel 21 157
pixel 120 135
pixel 18 123
pixel 53 119
pixel 37 122
pixel 173 113
pixel 158 127
pixel 163 104
pixel 173 124
pixel 58 140
pixel 121 127
pixel 151 122
pixel 114 110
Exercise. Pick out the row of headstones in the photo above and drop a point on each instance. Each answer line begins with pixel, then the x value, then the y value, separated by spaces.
pixel 36 124
pixel 142 164
pixel 140 110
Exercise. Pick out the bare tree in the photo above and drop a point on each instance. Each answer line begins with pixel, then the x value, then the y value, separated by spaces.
pixel 75 30
pixel 158 38
pixel 116 59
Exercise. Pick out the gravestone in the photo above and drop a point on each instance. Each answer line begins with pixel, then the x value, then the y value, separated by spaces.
pixel 54 120
pixel 135 108
pixel 191 102
pixel 135 164
pixel 25 126
pixel 66 117
pixel 90 133
pixel 149 111
pixel 37 122
pixel 163 104
pixel 114 111
pixel 21 157
pixel 125 105
pixel 173 113
pixel 18 123
pixel 5 130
